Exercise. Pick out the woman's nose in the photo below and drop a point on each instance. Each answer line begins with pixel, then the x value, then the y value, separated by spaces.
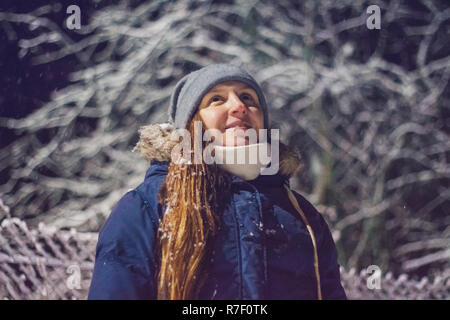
pixel 236 105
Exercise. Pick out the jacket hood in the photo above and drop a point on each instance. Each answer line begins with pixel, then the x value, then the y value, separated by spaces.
pixel 155 144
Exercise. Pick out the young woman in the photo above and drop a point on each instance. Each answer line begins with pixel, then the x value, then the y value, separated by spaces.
pixel 194 230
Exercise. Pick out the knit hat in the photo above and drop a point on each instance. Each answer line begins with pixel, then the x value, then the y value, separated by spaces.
pixel 189 91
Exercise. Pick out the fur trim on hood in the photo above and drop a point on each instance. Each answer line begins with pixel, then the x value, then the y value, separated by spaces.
pixel 155 144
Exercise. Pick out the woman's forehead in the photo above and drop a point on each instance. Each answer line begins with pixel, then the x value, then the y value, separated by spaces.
pixel 229 84
pixel 238 85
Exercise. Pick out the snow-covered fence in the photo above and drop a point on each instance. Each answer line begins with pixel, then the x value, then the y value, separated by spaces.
pixel 46 263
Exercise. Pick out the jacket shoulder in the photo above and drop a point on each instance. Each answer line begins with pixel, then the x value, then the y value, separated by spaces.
pixel 327 252
pixel 129 229
pixel 125 263
pixel 314 217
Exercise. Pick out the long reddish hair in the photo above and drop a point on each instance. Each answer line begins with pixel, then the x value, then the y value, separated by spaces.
pixel 192 218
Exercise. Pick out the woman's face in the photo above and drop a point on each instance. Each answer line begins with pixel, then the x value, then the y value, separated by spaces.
pixel 229 106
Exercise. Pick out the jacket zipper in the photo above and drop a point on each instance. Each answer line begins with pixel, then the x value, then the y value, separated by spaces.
pixel 258 199
pixel 238 238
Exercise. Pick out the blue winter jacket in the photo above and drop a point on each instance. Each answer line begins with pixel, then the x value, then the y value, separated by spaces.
pixel 263 250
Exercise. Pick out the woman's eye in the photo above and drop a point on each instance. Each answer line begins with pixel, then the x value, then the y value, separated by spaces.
pixel 246 96
pixel 216 98
pixel 249 98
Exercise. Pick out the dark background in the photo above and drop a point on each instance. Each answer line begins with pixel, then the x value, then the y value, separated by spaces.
pixel 414 223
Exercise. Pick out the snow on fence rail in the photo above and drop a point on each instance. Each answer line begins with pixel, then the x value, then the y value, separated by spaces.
pixel 46 263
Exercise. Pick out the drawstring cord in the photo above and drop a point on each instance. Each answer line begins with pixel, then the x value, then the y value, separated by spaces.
pixel 311 233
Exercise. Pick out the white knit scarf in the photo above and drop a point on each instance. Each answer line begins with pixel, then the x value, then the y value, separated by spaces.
pixel 245 161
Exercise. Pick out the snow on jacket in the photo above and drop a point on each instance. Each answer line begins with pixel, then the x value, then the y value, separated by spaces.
pixel 262 251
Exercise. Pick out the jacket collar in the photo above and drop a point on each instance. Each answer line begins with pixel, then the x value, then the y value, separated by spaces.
pixel 155 144
pixel 157 168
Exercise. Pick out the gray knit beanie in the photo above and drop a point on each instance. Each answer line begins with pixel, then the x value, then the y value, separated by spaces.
pixel 189 91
